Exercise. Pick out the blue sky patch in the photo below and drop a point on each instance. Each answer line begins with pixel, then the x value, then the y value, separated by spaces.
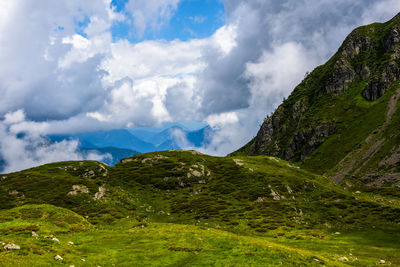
pixel 81 24
pixel 119 5
pixel 192 19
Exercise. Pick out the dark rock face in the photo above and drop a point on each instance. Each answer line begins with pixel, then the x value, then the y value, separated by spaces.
pixel 307 141
pixel 342 77
pixel 344 74
pixel 356 44
pixel 392 40
pixel 375 89
pixel 364 72
pixel 264 139
pixel 378 86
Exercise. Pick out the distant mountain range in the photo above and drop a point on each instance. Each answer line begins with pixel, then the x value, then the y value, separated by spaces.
pixel 122 143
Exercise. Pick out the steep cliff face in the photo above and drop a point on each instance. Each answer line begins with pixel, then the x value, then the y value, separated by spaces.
pixel 341 120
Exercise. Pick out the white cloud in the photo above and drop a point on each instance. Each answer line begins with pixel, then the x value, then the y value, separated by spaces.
pixel 67 82
pixel 225 38
pixel 153 58
pixel 22 147
pixel 14 117
pixel 219 120
pixel 277 72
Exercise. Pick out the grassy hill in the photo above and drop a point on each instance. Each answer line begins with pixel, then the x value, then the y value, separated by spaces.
pixel 343 119
pixel 184 208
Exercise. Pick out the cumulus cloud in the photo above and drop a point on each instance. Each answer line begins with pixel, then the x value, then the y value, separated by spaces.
pixel 37 63
pixel 60 64
pixel 22 149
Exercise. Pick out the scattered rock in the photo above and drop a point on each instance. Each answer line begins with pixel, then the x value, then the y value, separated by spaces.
pixel 3 178
pixel 196 171
pixel 337 233
pixel 260 199
pixel 35 235
pixel 58 258
pixel 55 239
pixel 382 262
pixel 13 192
pixel 343 259
pixel 88 173
pixel 289 189
pixel 103 168
pixel 155 158
pixel 238 162
pixel 127 160
pixel 70 243
pixel 83 260
pixel 78 189
pixel 301 212
pixel 101 193
pixel 275 195
pixel 358 192
pixel 12 247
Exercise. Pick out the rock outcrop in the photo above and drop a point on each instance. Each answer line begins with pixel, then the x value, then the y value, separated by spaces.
pixel 76 189
pixel 58 258
pixel 340 107
pixel 11 247
pixel 377 86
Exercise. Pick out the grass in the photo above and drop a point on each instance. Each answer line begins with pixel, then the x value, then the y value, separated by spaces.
pixel 182 208
pixel 168 244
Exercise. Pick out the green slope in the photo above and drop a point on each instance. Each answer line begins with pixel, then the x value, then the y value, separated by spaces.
pixel 161 244
pixel 257 195
pixel 342 119
pixel 185 208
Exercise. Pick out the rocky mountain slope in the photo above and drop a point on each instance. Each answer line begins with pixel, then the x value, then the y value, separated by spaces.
pixel 191 208
pixel 343 119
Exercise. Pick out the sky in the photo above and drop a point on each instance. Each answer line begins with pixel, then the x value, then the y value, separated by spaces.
pixel 70 66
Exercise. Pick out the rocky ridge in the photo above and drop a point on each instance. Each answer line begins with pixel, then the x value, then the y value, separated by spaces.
pixel 339 108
